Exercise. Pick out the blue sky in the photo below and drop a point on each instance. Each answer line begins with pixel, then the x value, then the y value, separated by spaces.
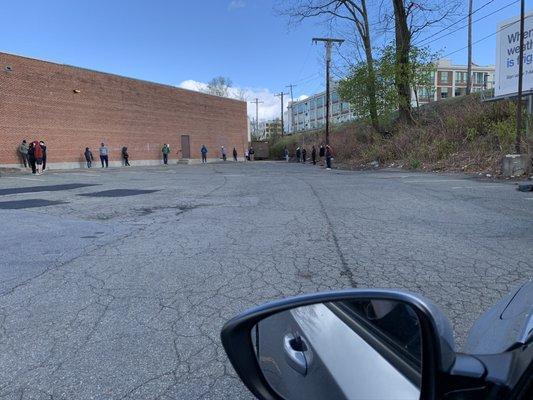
pixel 182 42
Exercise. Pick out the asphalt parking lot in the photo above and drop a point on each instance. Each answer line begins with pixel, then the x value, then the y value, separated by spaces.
pixel 115 283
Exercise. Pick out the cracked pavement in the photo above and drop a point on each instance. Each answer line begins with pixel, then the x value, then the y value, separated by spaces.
pixel 124 297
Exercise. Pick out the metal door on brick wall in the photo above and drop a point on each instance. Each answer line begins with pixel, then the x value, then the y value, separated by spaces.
pixel 185 147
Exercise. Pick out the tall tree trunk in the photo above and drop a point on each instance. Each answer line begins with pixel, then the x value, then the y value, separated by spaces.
pixel 371 84
pixel 403 46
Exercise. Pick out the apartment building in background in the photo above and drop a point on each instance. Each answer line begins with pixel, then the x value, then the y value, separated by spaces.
pixel 310 113
pixel 268 129
pixel 449 80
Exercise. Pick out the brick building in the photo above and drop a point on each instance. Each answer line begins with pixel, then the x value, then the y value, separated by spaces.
pixel 72 108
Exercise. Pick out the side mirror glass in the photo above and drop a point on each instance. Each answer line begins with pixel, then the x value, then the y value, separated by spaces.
pixel 351 349
pixel 353 344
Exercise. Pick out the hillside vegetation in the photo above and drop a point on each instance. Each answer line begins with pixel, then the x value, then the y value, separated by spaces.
pixel 459 134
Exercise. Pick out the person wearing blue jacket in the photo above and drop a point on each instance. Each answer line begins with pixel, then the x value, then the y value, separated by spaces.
pixel 203 150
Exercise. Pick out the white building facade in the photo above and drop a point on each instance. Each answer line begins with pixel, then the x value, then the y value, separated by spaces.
pixel 310 113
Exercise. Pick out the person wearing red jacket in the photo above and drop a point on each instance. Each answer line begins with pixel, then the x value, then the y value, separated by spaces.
pixel 39 156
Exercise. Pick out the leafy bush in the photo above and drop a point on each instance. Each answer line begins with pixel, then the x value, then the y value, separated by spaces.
pixel 461 133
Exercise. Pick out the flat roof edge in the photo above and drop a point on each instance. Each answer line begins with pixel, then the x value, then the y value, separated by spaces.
pixel 119 76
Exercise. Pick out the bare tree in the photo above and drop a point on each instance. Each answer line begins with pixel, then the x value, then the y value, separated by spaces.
pixel 241 94
pixel 219 86
pixel 410 19
pixel 353 11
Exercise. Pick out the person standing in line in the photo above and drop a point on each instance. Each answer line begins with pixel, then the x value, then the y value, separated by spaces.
pixel 298 154
pixel 203 150
pixel 38 153
pixel 104 155
pixel 304 155
pixel 313 154
pixel 329 155
pixel 286 154
pixel 31 158
pixel 247 155
pixel 125 156
pixel 43 146
pixel 223 153
pixel 252 153
pixel 321 153
pixel 88 157
pixel 166 151
pixel 235 154
pixel 23 150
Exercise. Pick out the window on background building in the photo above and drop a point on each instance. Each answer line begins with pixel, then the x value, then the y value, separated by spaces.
pixel 300 108
pixel 334 97
pixel 336 109
pixel 459 91
pixel 345 106
pixel 479 78
pixel 443 76
pixel 312 104
pixel 443 93
pixel 320 113
pixel 460 77
pixel 320 102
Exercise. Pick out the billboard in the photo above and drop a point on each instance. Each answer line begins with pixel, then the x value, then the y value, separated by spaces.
pixel 507 56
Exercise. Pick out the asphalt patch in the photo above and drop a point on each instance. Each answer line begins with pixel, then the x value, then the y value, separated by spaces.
pixel 526 188
pixel 118 193
pixel 29 203
pixel 48 188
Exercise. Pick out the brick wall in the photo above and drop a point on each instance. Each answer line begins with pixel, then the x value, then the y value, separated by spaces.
pixel 38 101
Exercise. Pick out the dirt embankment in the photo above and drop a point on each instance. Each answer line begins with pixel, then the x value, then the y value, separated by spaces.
pixel 461 134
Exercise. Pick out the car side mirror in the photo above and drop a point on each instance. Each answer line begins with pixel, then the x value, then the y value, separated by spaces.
pixel 355 344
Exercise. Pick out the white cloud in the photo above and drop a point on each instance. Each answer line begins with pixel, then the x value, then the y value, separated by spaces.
pixel 193 85
pixel 234 4
pixel 268 109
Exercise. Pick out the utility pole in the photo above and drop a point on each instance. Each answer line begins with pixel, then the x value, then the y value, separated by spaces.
pixel 292 101
pixel 520 81
pixel 469 68
pixel 257 102
pixel 280 95
pixel 328 42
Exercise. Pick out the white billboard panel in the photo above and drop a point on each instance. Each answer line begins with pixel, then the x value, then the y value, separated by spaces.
pixel 507 56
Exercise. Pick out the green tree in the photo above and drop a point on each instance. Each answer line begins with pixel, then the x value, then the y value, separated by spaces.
pixel 418 75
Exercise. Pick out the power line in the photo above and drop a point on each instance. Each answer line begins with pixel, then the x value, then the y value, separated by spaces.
pixel 308 78
pixel 463 26
pixel 485 37
pixel 456 22
pixel 305 62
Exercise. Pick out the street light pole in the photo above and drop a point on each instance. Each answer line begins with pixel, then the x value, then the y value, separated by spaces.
pixel 518 143
pixel 328 42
